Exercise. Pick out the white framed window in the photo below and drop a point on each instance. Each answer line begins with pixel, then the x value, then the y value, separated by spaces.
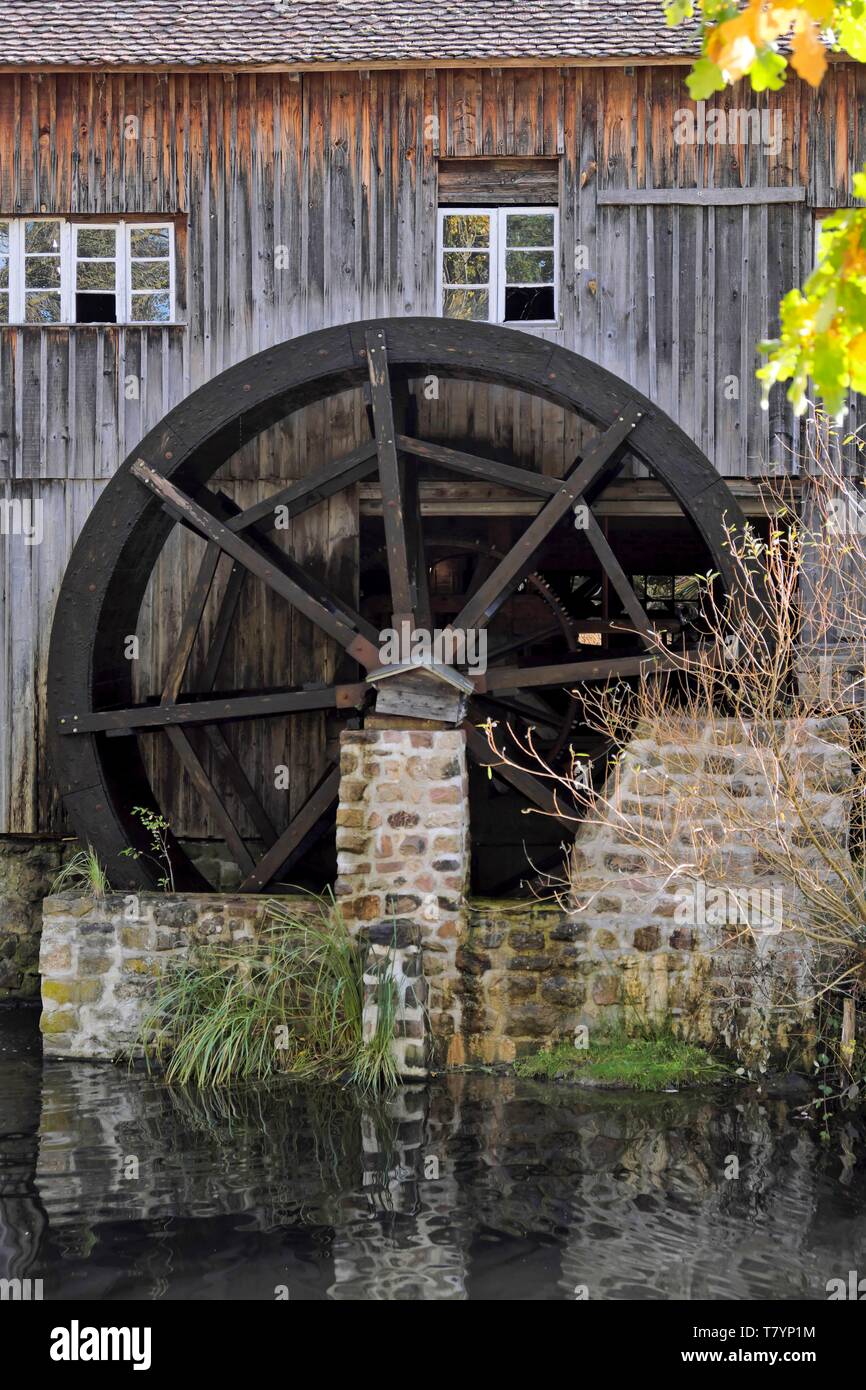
pixel 499 265
pixel 53 270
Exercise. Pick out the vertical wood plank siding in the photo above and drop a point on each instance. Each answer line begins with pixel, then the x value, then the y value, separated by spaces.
pixel 340 169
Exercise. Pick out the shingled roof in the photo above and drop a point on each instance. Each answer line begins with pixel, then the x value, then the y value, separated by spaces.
pixel 207 33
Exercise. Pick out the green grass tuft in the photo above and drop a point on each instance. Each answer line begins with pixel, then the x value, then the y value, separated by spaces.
pixel 643 1064
pixel 83 873
pixel 293 1005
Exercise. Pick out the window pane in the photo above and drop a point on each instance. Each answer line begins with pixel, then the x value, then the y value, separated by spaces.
pixel 535 230
pixel 4 308
pixel 4 238
pixel 659 586
pixel 466 229
pixel 42 308
pixel 42 236
pixel 150 308
pixel 528 267
pixel 150 275
pixel 4 273
pixel 149 241
pixel 42 272
pixel 94 275
pixel 96 241
pixel 466 267
pixel 96 308
pixel 529 305
pixel 467 304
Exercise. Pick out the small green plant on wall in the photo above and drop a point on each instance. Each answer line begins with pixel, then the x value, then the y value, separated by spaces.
pixel 158 828
pixel 83 874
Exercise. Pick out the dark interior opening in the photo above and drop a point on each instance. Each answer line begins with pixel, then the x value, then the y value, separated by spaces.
pixel 96 308
pixel 528 303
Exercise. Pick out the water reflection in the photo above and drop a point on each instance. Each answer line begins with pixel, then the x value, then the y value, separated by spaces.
pixel 113 1186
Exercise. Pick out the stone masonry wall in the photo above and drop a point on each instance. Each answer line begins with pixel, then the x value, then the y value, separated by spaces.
pixel 628 949
pixel 487 981
pixel 27 869
pixel 403 867
pixel 99 959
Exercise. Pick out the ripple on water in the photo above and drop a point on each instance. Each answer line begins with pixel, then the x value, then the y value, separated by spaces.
pixel 115 1186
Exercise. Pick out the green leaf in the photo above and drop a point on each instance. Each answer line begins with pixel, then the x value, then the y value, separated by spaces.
pixel 768 71
pixel 678 10
pixel 704 79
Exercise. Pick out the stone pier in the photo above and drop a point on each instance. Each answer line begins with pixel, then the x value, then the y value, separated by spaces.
pixel 403 871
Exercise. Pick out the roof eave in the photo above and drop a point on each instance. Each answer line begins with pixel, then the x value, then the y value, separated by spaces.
pixel 617 60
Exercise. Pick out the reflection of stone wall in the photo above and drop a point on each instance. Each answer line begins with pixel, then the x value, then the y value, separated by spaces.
pixel 475 1186
pixel 27 869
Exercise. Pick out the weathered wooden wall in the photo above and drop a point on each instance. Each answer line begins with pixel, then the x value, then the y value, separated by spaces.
pixel 340 168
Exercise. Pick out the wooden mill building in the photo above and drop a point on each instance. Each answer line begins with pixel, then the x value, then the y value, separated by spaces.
pixel 187 183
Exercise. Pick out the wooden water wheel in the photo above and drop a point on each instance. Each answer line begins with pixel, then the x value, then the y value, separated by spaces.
pixel 519 584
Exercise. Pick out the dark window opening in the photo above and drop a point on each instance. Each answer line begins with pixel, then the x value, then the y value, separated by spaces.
pixel 529 303
pixel 96 308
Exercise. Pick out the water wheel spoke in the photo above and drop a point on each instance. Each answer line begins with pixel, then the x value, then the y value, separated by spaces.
pixel 533 788
pixel 311 814
pixel 264 568
pixel 600 457
pixel 219 710
pixel 191 623
pixel 200 779
pixel 390 478
pixel 618 577
pixel 222 627
pixel 486 470
pixel 240 783
pixel 503 679
pixel 299 496
pixel 224 758
pixel 227 511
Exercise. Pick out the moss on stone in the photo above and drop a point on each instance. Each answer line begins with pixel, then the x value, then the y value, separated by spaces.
pixel 641 1064
pixel 61 1021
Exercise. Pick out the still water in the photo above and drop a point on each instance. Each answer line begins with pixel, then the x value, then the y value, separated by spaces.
pixel 113 1186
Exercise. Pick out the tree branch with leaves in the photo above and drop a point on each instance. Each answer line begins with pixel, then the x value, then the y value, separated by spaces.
pixel 822 330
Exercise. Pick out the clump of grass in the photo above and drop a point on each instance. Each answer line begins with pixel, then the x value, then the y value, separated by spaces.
pixel 293 1005
pixel 83 873
pixel 650 1063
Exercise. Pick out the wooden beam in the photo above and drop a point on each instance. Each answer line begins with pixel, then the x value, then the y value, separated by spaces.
pixel 698 197
pixel 523 180
pixel 299 496
pixel 504 679
pixel 223 625
pixel 204 786
pixel 312 810
pixel 191 623
pixel 216 711
pixel 227 510
pixel 389 476
pixel 617 576
pixel 601 454
pixel 531 787
pixel 234 773
pixel 201 520
pixel 489 470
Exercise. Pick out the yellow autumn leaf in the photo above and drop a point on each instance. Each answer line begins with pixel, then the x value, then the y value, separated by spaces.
pixel 808 57
pixel 820 10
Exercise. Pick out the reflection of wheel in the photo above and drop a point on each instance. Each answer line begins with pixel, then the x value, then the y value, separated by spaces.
pixel 226 673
